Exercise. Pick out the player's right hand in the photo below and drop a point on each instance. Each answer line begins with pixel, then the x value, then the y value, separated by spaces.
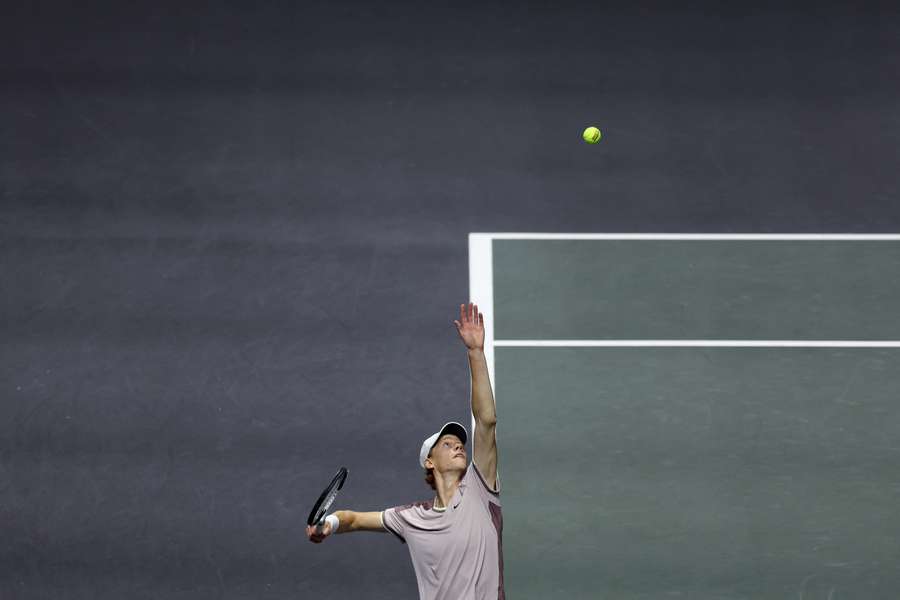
pixel 317 538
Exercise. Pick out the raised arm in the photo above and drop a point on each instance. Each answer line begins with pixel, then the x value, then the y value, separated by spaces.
pixel 349 521
pixel 471 330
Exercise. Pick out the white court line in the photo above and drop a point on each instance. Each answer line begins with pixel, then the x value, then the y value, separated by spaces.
pixel 481 292
pixel 699 343
pixel 852 237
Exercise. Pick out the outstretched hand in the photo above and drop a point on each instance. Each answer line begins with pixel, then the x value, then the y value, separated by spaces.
pixel 314 536
pixel 470 326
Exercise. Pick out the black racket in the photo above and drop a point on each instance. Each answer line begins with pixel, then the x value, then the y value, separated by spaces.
pixel 320 510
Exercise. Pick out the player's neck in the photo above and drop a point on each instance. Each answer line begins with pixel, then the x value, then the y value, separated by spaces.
pixel 445 489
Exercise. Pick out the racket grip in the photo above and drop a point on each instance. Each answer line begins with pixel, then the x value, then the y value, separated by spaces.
pixel 333 519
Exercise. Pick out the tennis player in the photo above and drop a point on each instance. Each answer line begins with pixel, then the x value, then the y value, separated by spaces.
pixel 455 540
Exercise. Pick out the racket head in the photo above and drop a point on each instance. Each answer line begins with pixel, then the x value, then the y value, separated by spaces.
pixel 320 508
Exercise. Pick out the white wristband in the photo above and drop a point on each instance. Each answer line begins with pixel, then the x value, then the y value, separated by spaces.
pixel 335 522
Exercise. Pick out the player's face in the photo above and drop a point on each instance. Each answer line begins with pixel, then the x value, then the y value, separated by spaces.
pixel 451 450
pixel 448 454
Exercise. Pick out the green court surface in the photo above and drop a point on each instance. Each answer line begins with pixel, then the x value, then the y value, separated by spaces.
pixel 636 465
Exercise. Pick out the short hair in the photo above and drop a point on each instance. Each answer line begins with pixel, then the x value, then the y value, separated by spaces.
pixel 429 479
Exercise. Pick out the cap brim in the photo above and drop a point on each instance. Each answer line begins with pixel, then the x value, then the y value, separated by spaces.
pixel 456 429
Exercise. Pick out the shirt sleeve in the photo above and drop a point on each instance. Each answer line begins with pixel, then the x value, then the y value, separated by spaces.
pixel 394 523
pixel 482 484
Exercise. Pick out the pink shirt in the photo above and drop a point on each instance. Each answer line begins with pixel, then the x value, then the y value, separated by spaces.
pixel 457 552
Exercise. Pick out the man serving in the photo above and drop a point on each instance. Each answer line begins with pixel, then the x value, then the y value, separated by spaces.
pixel 455 540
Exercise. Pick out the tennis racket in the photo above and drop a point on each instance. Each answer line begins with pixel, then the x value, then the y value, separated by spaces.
pixel 320 510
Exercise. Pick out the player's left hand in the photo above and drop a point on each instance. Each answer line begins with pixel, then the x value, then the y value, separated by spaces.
pixel 470 326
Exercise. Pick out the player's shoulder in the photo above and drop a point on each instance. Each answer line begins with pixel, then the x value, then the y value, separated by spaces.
pixel 417 505
pixel 475 476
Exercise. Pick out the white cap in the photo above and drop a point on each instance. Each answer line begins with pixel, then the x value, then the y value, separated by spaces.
pixel 451 427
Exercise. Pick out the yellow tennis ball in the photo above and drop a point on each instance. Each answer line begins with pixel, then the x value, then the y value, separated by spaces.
pixel 591 135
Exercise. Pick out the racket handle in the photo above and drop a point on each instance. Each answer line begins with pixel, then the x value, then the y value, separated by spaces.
pixel 320 526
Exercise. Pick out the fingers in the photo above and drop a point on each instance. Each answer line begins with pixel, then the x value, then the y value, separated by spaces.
pixel 317 538
pixel 469 314
pixel 311 534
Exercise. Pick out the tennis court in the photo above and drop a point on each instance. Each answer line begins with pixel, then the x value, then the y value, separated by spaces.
pixel 235 241
pixel 714 415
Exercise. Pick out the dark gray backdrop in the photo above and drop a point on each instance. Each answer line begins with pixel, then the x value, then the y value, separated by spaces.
pixel 234 240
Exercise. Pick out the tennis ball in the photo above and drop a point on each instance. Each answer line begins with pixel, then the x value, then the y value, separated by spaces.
pixel 591 135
